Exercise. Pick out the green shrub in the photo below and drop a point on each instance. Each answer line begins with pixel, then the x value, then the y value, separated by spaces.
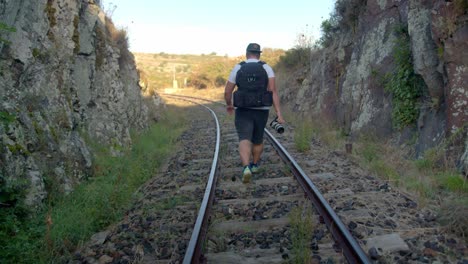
pixel 36 52
pixel 385 171
pixel 302 228
pixel 404 85
pixel 369 151
pixel 430 160
pixel 4 28
pixel 421 186
pixel 302 136
pixel 329 28
pixel 6 118
pixel 452 182
pixel 344 17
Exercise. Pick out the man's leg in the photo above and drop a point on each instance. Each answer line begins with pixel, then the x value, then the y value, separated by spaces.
pixel 245 148
pixel 257 151
pixel 261 118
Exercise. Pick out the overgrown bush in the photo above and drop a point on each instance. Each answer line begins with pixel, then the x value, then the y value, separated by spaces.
pixel 295 57
pixel 119 38
pixel 345 17
pixel 349 11
pixel 220 81
pixel 403 83
pixel 199 81
pixel 329 28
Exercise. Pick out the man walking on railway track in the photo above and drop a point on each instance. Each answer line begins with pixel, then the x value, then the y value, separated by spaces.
pixel 256 92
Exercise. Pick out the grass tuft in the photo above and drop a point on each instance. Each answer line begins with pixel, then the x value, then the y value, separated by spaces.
pixel 452 182
pixel 303 136
pixel 453 215
pixel 301 235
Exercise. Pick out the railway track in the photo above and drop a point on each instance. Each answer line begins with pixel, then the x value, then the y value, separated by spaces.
pixel 276 218
pixel 265 214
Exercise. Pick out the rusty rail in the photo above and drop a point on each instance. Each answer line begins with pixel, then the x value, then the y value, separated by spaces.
pixel 193 252
pixel 351 249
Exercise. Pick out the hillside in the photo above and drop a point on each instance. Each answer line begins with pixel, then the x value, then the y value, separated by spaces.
pixel 157 71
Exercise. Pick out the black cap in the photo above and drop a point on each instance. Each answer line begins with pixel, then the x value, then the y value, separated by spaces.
pixel 254 47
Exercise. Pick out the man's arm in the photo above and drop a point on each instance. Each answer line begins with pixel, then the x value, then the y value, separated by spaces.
pixel 228 96
pixel 276 101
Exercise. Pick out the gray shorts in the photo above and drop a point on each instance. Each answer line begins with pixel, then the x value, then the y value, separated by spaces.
pixel 250 124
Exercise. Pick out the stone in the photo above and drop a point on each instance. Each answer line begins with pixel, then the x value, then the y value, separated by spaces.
pixel 105 259
pixel 323 176
pixel 424 49
pixel 99 238
pixel 428 252
pixel 311 163
pixel 374 253
pixel 388 243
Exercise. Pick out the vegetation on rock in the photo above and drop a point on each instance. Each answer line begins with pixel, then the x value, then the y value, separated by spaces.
pixel 66 221
pixel 405 86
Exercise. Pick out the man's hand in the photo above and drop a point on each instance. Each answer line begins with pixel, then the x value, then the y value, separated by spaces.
pixel 280 119
pixel 230 109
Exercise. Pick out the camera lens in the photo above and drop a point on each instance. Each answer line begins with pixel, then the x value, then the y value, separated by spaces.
pixel 277 126
pixel 280 129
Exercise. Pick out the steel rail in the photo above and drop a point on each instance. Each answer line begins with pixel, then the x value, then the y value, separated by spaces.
pixel 193 252
pixel 193 97
pixel 351 249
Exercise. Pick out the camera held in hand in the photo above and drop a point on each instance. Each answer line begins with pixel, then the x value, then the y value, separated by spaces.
pixel 277 126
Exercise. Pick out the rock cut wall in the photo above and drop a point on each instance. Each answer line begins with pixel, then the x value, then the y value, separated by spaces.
pixel 344 84
pixel 66 76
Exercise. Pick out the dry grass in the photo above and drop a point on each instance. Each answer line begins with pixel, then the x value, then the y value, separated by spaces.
pixel 431 179
pixel 309 127
pixel 119 38
pixel 453 216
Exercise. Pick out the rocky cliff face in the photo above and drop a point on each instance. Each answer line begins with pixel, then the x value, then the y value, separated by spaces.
pixel 67 79
pixel 344 81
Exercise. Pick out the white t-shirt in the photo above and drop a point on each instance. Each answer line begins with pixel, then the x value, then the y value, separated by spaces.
pixel 268 69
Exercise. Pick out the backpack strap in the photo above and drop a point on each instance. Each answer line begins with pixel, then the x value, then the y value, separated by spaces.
pixel 260 62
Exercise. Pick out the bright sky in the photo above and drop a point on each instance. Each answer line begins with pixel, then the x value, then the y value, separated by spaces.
pixel 205 26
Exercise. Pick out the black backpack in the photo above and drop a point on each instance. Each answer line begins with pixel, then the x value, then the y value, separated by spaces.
pixel 252 83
